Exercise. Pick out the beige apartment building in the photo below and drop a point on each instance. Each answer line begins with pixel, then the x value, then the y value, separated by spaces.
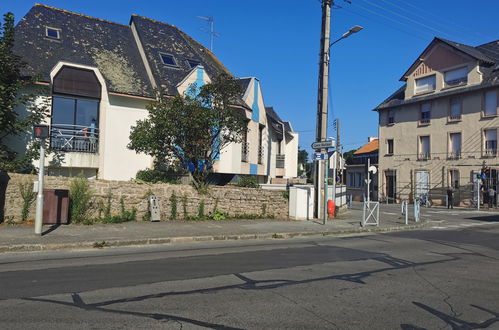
pixel 440 129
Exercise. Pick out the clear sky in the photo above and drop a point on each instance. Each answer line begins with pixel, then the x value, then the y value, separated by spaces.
pixel 278 42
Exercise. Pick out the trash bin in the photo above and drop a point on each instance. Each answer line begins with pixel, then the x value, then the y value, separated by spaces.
pixel 55 206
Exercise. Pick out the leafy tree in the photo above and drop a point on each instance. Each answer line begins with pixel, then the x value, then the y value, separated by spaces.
pixel 191 129
pixel 14 93
pixel 348 156
pixel 302 156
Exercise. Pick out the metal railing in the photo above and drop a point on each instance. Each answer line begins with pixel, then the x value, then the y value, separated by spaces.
pixel 424 121
pixel 74 138
pixel 424 156
pixel 490 151
pixel 455 116
pixel 260 154
pixel 279 161
pixel 456 154
pixel 245 152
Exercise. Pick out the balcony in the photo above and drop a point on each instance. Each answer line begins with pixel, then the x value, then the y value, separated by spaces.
pixel 74 138
pixel 245 152
pixel 279 161
pixel 260 154
pixel 424 156
pixel 456 154
pixel 490 152
pixel 455 117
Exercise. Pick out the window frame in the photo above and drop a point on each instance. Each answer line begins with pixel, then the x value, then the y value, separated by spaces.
pixel 388 153
pixel 390 119
pixel 460 101
pixel 484 142
pixel 161 54
pixel 484 115
pixel 426 156
pixel 427 91
pixel 458 154
pixel 57 30
pixel 426 121
pixel 188 61
pixel 460 83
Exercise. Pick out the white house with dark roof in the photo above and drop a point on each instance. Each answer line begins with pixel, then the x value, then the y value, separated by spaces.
pixel 101 76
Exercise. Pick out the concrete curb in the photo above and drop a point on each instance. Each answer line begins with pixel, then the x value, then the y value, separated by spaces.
pixel 190 239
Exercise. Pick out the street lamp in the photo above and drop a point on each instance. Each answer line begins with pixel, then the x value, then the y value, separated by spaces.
pixel 322 97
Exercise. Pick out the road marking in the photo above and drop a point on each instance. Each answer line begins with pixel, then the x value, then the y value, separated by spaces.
pixel 390 213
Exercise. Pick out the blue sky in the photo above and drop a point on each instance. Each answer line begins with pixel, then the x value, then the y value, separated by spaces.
pixel 278 42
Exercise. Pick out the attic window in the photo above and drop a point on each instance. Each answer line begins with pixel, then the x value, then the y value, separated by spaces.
pixel 168 59
pixel 52 33
pixel 456 77
pixel 193 64
pixel 425 85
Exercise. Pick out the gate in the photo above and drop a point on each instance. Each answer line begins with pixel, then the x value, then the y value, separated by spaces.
pixel 422 187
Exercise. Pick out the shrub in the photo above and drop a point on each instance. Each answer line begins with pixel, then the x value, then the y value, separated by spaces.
pixel 156 176
pixel 285 194
pixel 81 199
pixel 28 197
pixel 173 206
pixel 201 210
pixel 247 181
pixel 124 215
pixel 218 215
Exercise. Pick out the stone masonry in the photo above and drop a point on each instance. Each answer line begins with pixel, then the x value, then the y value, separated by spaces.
pixel 235 201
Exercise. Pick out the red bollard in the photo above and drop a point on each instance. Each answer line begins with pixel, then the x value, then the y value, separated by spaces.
pixel 330 208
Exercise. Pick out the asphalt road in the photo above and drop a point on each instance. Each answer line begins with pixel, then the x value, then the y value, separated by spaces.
pixel 443 277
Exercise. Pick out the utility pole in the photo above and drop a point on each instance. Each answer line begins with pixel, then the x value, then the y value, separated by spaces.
pixel 322 97
pixel 338 150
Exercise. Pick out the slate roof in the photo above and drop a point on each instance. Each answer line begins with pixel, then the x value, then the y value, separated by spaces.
pixel 112 48
pixel 243 83
pixel 487 54
pixel 84 40
pixel 157 37
pixel 368 147
pixel 278 126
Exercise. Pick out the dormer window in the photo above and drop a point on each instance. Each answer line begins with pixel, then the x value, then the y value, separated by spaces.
pixel 192 64
pixel 168 59
pixel 456 77
pixel 52 33
pixel 425 85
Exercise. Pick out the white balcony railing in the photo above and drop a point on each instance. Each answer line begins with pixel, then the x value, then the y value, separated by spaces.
pixel 74 138
pixel 455 154
pixel 424 156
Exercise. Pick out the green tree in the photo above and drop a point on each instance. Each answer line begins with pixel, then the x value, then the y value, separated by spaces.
pixel 191 129
pixel 15 93
pixel 348 156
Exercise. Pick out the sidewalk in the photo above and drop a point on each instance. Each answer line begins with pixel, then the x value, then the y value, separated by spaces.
pixel 17 238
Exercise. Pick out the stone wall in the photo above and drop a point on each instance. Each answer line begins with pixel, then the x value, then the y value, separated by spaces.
pixel 233 200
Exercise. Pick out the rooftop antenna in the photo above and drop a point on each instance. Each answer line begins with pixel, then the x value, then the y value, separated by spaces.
pixel 211 30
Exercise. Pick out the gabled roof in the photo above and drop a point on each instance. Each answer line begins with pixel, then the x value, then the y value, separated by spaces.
pixel 368 147
pixel 468 50
pixel 278 126
pixel 84 40
pixel 488 56
pixel 112 48
pixel 243 83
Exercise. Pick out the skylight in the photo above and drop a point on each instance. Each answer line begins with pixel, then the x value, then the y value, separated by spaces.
pixel 52 33
pixel 168 59
pixel 193 64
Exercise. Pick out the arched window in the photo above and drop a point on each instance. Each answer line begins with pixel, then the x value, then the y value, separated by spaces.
pixel 76 96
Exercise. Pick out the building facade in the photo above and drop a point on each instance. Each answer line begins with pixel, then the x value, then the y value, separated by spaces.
pixel 439 130
pixel 356 172
pixel 101 75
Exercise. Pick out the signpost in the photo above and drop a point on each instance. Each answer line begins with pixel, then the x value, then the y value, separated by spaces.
pixel 40 132
pixel 323 160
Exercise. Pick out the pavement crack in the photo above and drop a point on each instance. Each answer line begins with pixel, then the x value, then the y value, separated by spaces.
pixel 447 296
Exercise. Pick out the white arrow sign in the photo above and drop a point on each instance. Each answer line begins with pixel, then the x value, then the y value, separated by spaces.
pixel 367 181
pixel 373 169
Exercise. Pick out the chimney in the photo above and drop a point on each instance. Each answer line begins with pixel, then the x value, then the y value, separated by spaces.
pixel 371 138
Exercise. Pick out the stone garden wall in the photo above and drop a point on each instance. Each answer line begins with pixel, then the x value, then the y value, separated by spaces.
pixel 233 200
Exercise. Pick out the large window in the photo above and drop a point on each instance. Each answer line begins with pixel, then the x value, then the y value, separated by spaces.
pixel 454 145
pixel 455 109
pixel 424 147
pixel 490 103
pixel 456 77
pixel 490 142
pixel 424 85
pixel 74 124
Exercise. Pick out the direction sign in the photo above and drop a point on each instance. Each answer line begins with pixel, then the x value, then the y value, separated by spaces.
pixel 319 156
pixel 324 144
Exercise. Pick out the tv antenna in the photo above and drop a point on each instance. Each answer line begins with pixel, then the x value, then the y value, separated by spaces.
pixel 210 30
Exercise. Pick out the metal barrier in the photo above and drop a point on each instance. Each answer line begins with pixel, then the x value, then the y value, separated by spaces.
pixel 370 214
